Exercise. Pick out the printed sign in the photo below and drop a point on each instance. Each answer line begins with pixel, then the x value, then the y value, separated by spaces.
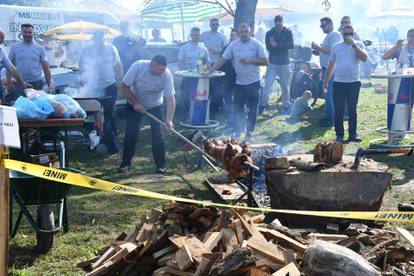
pixel 9 127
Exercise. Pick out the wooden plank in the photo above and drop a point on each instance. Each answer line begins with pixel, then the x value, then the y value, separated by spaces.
pixel 203 268
pixel 284 240
pixel 102 270
pixel 213 240
pixel 195 246
pixel 163 261
pixel 144 234
pixel 163 251
pixel 289 270
pixel 111 251
pixel 255 271
pixel 268 249
pixel 405 235
pixel 326 237
pixel 183 258
pixel 159 272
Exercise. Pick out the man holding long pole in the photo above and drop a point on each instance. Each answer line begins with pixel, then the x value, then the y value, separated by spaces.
pixel 145 85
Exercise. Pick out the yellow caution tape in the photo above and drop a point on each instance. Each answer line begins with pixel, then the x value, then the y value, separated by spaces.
pixel 98 184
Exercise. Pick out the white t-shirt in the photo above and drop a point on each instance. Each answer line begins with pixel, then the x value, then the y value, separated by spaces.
pixel 246 73
pixel 346 62
pixel 331 39
pixel 149 89
pixel 213 40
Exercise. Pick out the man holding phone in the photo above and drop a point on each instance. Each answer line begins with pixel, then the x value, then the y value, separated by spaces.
pixel 344 65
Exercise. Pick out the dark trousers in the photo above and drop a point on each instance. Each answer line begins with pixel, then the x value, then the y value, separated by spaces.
pixel 188 88
pixel 110 129
pixel 133 120
pixel 346 93
pixel 216 96
pixel 246 96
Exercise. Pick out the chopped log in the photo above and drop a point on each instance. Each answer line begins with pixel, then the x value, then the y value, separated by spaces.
pixel 225 219
pixel 238 259
pixel 328 152
pixel 288 270
pixel 102 270
pixel 307 166
pixel 354 229
pixel 163 261
pixel 284 240
pixel 183 258
pixel 203 268
pixel 406 236
pixel 177 272
pixel 325 258
pixel 258 219
pixel 351 243
pixel 163 252
pixel 160 272
pixel 110 252
pixel 194 245
pixel 229 239
pixel 238 230
pixel 326 237
pixel 276 163
pixel 268 249
pixel 213 240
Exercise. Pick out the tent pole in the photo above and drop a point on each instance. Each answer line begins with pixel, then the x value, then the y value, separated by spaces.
pixel 182 20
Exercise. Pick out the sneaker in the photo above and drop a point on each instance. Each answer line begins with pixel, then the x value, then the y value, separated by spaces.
pixel 339 139
pixel 160 170
pixel 123 169
pixel 355 139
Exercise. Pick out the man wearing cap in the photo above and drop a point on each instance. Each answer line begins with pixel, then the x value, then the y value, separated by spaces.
pixel 30 60
pixel 101 74
pixel 279 40
pixel 146 85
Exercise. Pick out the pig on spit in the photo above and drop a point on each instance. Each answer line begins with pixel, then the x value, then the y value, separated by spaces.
pixel 231 155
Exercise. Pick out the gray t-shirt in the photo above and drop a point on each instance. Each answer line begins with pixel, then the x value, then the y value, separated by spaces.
pixel 4 60
pixel 246 73
pixel 28 58
pixel 98 65
pixel 346 62
pixel 406 56
pixel 330 39
pixel 214 42
pixel 148 88
pixel 190 52
pixel 300 106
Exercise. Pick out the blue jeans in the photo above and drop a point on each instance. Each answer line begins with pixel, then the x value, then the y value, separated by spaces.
pixel 330 113
pixel 274 70
pixel 346 93
pixel 110 129
pixel 133 120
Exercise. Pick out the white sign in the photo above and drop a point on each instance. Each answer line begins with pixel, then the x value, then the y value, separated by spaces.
pixel 9 127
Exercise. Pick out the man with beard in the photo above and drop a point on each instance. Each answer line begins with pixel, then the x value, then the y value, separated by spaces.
pixel 30 60
pixel 247 55
pixel 279 40
pixel 323 51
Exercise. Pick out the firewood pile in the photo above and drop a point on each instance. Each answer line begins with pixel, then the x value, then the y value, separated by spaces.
pixel 190 240
pixel 231 155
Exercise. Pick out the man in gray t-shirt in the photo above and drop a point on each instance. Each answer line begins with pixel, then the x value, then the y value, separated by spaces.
pixel 146 85
pixel 247 55
pixel 344 66
pixel 324 51
pixel 30 60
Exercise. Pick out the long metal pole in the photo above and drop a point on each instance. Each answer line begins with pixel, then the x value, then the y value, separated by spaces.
pixel 206 157
pixel 4 213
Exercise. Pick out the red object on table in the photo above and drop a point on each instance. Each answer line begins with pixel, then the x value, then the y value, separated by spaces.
pixel 51 122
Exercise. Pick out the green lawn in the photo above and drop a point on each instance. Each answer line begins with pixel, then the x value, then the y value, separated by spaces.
pixel 96 218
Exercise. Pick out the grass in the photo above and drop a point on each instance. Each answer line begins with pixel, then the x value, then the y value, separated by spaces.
pixel 96 217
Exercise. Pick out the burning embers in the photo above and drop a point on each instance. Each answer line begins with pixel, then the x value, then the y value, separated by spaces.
pixel 231 155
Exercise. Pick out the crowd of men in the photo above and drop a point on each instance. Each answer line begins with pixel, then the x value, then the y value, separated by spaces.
pixel 239 95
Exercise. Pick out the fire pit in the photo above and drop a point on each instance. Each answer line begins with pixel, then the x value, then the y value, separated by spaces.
pixel 334 187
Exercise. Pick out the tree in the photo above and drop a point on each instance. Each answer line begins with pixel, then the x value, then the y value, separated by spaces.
pixel 243 13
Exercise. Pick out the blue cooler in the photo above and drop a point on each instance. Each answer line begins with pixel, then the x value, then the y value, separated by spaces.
pixel 199 113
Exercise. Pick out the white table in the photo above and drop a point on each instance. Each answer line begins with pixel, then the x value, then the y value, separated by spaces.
pixel 200 103
pixel 400 99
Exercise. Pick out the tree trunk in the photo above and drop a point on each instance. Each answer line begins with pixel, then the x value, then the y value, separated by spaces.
pixel 245 12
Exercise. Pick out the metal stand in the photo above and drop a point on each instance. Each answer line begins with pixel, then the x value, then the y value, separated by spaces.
pixel 246 183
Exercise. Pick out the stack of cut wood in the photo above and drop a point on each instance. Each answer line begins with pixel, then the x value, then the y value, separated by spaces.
pixel 328 152
pixel 189 240
pixel 231 155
